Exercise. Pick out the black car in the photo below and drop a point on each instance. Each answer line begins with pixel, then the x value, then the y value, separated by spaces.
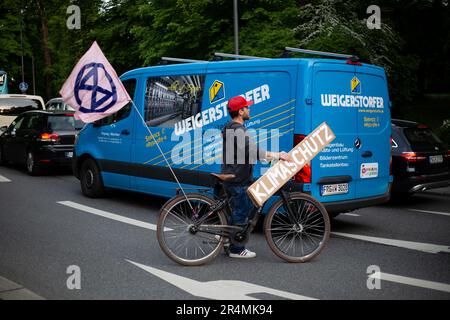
pixel 420 161
pixel 40 139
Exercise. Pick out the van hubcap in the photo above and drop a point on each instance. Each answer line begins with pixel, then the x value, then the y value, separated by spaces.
pixel 89 178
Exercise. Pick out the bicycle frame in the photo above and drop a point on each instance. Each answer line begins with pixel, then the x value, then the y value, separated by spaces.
pixel 223 203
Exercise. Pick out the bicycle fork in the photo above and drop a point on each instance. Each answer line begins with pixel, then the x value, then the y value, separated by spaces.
pixel 287 204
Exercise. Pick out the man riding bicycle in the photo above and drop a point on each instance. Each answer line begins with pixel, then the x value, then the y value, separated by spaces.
pixel 239 156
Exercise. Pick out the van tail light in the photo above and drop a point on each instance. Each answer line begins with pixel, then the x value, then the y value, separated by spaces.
pixel 390 159
pixel 304 175
pixel 49 137
pixel 413 157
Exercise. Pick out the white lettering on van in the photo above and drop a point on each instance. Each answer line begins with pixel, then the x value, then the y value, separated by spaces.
pixel 219 111
pixel 351 101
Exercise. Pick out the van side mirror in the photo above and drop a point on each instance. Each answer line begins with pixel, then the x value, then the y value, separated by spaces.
pixel 98 123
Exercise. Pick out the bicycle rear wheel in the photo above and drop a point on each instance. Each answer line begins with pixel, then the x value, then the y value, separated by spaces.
pixel 302 239
pixel 175 234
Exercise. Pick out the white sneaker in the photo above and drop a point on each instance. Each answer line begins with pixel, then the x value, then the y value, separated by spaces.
pixel 245 254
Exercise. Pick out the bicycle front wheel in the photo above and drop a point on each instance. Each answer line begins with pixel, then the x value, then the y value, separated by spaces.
pixel 177 236
pixel 299 238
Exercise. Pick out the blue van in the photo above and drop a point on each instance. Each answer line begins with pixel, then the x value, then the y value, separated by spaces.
pixel 185 107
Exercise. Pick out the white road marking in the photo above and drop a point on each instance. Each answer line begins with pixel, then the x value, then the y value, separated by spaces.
pixel 110 215
pixel 411 281
pixel 351 214
pixel 424 247
pixel 220 289
pixel 434 212
pixel 4 179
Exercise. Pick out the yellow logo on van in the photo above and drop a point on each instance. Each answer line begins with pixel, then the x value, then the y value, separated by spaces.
pixel 216 91
pixel 355 85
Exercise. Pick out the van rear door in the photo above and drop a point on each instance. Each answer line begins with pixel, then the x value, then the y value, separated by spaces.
pixel 374 132
pixel 334 169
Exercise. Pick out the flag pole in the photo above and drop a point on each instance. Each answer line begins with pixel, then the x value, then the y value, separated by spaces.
pixel 162 153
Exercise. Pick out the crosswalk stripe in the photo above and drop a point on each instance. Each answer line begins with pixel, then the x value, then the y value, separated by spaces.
pixel 424 247
pixel 4 179
pixel 433 212
pixel 411 281
pixel 110 215
pixel 351 214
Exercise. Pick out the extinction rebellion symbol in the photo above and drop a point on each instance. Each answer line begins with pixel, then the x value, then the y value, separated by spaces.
pixel 88 80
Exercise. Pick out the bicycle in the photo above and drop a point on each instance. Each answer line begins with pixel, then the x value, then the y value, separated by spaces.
pixel 192 228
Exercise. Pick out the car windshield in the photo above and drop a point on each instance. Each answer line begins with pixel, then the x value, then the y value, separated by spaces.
pixel 16 106
pixel 59 105
pixel 421 137
pixel 64 123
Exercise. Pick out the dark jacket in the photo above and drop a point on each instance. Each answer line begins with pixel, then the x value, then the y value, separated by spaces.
pixel 240 153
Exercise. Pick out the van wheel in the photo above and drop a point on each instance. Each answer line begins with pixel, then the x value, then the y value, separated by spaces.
pixel 32 167
pixel 91 179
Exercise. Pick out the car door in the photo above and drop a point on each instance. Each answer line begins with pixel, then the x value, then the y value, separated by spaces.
pixel 114 135
pixel 26 135
pixel 169 103
pixel 10 139
pixel 337 163
pixel 374 132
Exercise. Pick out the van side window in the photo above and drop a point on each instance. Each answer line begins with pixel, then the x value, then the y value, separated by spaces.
pixel 124 112
pixel 171 99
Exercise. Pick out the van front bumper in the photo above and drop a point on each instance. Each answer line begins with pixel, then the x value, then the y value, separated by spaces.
pixel 349 205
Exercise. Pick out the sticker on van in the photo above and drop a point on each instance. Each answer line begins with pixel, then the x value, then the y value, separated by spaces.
pixel 369 170
pixel 355 85
pixel 216 91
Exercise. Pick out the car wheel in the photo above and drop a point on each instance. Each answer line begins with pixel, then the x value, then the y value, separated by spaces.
pixel 2 161
pixel 91 180
pixel 32 167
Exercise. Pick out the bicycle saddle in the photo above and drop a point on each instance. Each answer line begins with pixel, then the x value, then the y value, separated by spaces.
pixel 223 176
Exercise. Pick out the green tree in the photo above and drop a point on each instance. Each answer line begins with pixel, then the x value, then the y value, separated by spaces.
pixel 334 25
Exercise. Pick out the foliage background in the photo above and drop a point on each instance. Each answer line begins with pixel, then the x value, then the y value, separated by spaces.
pixel 413 44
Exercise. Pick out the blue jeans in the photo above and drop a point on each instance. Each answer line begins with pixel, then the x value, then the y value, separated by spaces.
pixel 242 207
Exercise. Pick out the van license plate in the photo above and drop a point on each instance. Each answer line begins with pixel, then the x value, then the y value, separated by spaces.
pixel 69 154
pixel 330 189
pixel 436 159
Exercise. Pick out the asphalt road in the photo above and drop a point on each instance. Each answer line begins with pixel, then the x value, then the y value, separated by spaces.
pixel 43 232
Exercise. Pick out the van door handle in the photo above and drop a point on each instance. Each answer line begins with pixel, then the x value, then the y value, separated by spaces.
pixel 366 154
pixel 125 132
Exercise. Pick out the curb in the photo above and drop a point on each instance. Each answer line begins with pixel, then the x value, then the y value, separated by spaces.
pixel 12 291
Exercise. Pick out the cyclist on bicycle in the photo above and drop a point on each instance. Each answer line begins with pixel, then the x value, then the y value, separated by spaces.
pixel 239 159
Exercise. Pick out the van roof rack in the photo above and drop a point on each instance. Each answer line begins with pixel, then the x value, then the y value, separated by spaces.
pixel 166 59
pixel 353 58
pixel 237 56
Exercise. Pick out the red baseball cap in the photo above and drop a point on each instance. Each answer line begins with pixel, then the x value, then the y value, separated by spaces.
pixel 238 103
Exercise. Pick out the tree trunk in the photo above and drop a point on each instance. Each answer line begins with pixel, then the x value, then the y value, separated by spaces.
pixel 47 56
